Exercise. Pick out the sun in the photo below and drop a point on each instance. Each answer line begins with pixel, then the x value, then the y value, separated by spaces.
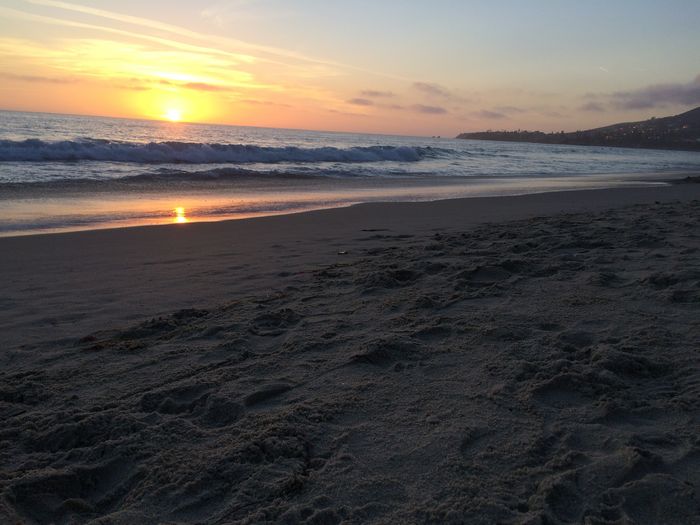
pixel 180 216
pixel 173 115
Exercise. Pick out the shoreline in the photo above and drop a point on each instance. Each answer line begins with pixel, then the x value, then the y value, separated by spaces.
pixel 146 270
pixel 207 205
pixel 514 359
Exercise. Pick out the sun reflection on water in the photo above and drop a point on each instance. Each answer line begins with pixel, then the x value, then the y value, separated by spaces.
pixel 179 215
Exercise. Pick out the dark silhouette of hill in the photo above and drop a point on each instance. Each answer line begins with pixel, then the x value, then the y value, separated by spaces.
pixel 677 132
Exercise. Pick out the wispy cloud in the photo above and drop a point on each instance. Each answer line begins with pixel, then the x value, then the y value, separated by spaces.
pixel 174 44
pixel 203 86
pixel 255 102
pixel 271 54
pixel 510 109
pixel 429 110
pixel 372 93
pixel 159 51
pixel 346 113
pixel 437 93
pixel 38 79
pixel 550 112
pixel 433 90
pixel 225 7
pixel 492 115
pixel 228 12
pixel 101 61
pixel 167 28
pixel 361 102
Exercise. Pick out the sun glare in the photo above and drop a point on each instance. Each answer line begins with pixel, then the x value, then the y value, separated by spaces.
pixel 173 115
pixel 180 216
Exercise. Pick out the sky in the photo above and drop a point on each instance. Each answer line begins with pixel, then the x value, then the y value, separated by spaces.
pixel 393 66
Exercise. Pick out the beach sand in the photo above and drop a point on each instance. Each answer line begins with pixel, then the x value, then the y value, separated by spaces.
pixel 530 359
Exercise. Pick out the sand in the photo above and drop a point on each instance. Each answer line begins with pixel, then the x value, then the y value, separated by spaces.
pixel 529 359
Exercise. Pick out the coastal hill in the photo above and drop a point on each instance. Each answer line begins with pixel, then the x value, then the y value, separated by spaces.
pixel 677 132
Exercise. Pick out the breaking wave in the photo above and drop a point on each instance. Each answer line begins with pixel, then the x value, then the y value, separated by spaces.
pixel 34 150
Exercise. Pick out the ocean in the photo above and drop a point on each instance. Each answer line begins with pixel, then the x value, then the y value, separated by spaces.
pixel 66 173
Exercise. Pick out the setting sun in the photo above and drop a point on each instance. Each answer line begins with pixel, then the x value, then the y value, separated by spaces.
pixel 180 216
pixel 173 115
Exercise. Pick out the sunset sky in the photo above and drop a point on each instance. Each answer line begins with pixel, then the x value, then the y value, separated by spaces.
pixel 407 67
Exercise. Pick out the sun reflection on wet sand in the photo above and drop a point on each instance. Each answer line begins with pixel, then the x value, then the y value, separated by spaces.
pixel 180 217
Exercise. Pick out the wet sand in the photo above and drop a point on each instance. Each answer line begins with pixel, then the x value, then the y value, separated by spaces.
pixel 527 359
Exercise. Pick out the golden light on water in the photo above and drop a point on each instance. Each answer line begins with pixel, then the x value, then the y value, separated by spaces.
pixel 180 216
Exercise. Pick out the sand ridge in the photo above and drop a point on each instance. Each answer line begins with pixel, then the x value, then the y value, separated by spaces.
pixel 544 370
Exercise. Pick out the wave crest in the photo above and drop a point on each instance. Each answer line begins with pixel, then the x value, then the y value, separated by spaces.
pixel 34 150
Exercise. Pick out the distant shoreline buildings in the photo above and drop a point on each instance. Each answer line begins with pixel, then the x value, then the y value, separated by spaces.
pixel 681 132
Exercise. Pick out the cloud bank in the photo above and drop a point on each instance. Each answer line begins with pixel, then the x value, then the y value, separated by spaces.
pixel 658 95
pixel 592 107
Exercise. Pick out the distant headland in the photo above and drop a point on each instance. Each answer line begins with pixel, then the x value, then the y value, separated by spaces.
pixel 680 132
